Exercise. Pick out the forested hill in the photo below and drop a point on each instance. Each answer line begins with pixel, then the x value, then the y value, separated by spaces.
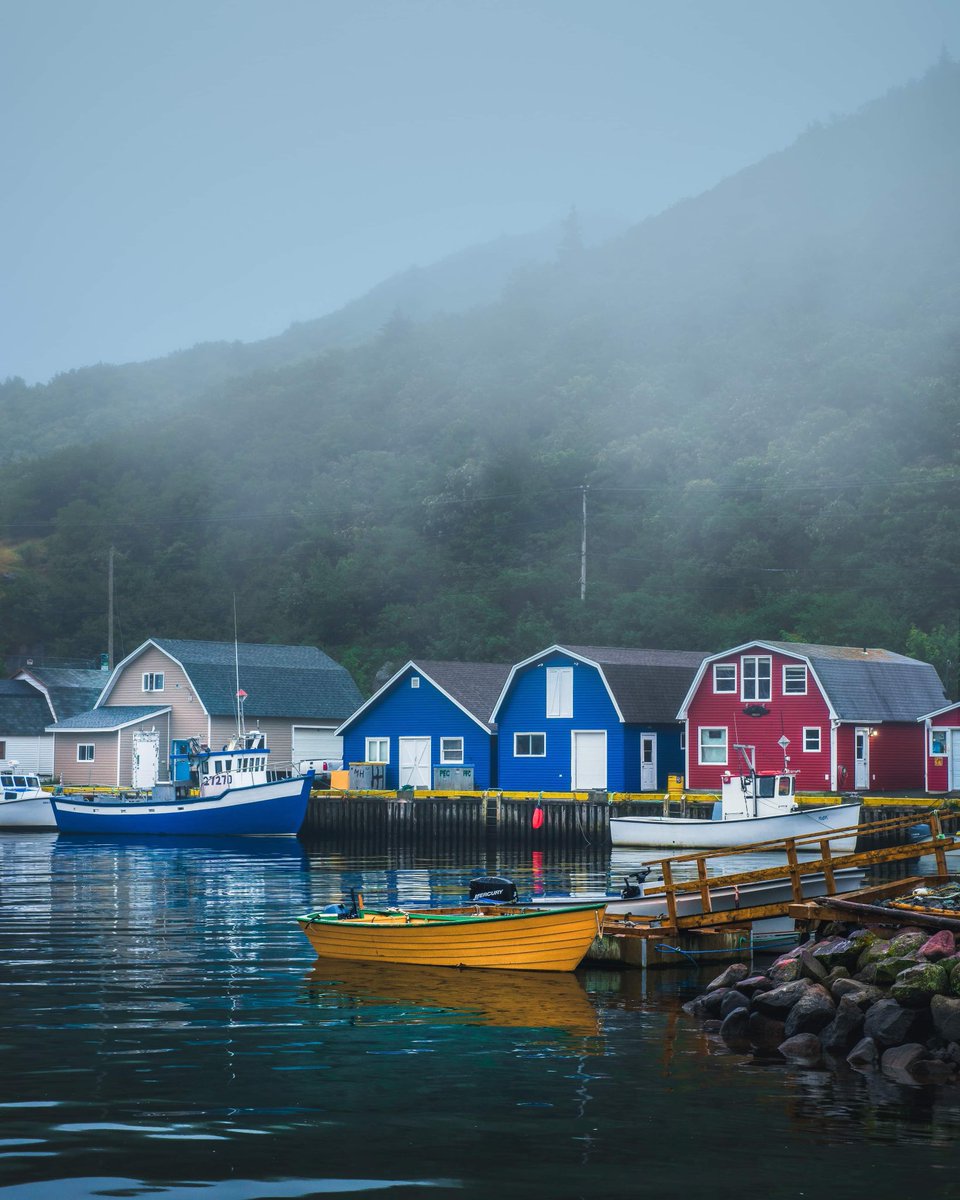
pixel 759 390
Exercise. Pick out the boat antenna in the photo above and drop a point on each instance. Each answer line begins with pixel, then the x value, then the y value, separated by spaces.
pixel 241 694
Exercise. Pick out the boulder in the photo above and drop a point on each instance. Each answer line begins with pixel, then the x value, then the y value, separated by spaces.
pixel 917 985
pixel 779 1000
pixel 734 1031
pixel 711 1002
pixel 945 1014
pixel 887 969
pixel 838 952
pixel 898 1062
pixel 812 1012
pixel 864 994
pixel 933 1071
pixel 864 1055
pixel 941 945
pixel 784 970
pixel 802 1048
pixel 889 1024
pixel 845 1029
pixel 730 977
pixel 836 974
pixel 765 1033
pixel 908 941
pixel 732 1000
pixel 754 983
pixel 953 969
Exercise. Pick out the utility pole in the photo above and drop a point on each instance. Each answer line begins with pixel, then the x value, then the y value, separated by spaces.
pixel 110 610
pixel 583 545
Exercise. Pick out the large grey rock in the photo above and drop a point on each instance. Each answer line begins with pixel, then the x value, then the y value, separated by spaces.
pixel 730 977
pixel 865 994
pixel 812 1012
pixel 785 970
pixel 887 969
pixel 734 1031
pixel 864 1055
pixel 765 1033
pixel 802 1048
pixel 945 1014
pixel 711 1002
pixel 755 983
pixel 897 1062
pixel 908 941
pixel 839 952
pixel 812 967
pixel 846 1027
pixel 889 1024
pixel 917 985
pixel 778 1002
pixel 933 1071
pixel 732 1001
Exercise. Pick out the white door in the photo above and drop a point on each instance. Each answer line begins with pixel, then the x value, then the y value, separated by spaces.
pixel 648 762
pixel 953 779
pixel 414 762
pixel 146 758
pixel 317 746
pixel 861 758
pixel 588 766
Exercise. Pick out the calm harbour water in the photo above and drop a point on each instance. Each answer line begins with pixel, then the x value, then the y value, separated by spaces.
pixel 166 1031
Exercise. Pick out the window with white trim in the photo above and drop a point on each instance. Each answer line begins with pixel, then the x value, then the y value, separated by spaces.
pixel 938 742
pixel 559 691
pixel 713 745
pixel 86 752
pixel 811 739
pixel 755 672
pixel 451 750
pixel 795 680
pixel 153 681
pixel 377 750
pixel 414 681
pixel 725 677
pixel 529 745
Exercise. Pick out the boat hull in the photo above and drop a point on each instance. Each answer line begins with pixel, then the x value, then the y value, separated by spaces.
pixel 267 809
pixel 27 812
pixel 516 939
pixel 690 834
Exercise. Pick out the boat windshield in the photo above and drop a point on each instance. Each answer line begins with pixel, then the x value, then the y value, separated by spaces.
pixel 766 786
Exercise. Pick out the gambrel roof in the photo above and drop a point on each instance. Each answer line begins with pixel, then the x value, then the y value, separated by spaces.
pixel 472 687
pixel 646 686
pixel 280 681
pixel 68 690
pixel 24 712
pixel 860 683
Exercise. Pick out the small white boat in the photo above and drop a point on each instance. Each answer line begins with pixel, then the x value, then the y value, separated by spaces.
pixel 754 807
pixel 23 802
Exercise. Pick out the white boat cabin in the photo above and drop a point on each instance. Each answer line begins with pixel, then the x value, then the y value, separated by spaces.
pixel 241 763
pixel 16 784
pixel 756 793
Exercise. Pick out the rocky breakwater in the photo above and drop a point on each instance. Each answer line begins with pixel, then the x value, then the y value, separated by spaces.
pixel 888 1004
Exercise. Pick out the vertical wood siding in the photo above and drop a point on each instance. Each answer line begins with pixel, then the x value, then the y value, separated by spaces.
pixel 424 711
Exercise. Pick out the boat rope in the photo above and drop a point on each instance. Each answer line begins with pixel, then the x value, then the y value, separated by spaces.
pixel 693 955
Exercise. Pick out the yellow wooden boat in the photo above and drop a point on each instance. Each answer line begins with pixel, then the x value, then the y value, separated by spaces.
pixel 502 937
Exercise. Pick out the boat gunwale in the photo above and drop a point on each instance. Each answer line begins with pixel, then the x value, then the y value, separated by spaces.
pixel 425 919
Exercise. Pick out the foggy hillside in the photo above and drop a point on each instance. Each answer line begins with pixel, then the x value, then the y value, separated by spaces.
pixel 760 388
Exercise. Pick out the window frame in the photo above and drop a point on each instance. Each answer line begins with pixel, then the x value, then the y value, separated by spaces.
pixel 756 660
pixel 940 733
pixel 383 742
pixel 808 729
pixel 87 758
pixel 561 692
pixel 149 681
pixel 517 753
pixel 445 760
pixel 713 762
pixel 794 667
pixel 725 691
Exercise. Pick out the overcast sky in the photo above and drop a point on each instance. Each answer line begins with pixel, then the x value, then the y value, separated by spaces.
pixel 178 171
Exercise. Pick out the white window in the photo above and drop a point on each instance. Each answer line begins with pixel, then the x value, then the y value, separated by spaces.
pixel 153 681
pixel 85 752
pixel 451 750
pixel 559 691
pixel 414 681
pixel 795 681
pixel 811 739
pixel 756 677
pixel 529 745
pixel 378 750
pixel 724 677
pixel 938 742
pixel 713 746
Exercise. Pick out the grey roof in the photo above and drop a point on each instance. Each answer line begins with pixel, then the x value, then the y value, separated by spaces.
pixel 475 686
pixel 648 685
pixel 70 691
pixel 109 717
pixel 24 711
pixel 867 684
pixel 280 681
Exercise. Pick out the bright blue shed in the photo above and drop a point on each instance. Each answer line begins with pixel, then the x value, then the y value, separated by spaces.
pixel 428 720
pixel 579 718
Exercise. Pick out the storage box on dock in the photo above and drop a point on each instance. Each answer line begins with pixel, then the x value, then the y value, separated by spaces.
pixel 365 776
pixel 453 779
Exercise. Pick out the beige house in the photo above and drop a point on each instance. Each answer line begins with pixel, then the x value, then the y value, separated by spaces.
pixel 169 691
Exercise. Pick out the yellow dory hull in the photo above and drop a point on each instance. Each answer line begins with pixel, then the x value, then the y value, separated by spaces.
pixel 512 939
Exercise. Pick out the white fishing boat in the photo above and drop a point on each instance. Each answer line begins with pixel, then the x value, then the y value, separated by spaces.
pixel 757 806
pixel 23 802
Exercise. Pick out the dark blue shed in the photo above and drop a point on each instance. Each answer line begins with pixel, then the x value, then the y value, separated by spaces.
pixel 427 720
pixel 581 718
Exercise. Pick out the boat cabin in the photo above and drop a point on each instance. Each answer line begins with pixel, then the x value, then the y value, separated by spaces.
pixel 757 795
pixel 242 762
pixel 14 783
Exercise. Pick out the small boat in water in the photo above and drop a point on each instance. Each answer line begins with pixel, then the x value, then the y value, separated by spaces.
pixel 23 802
pixel 500 936
pixel 230 792
pixel 758 806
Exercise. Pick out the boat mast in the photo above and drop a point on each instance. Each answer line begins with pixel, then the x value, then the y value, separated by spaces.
pixel 241 694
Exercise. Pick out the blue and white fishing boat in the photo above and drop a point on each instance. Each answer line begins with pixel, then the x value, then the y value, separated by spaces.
pixel 230 791
pixel 23 802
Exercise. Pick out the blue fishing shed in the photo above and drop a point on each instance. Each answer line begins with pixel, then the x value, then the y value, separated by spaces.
pixel 585 718
pixel 429 727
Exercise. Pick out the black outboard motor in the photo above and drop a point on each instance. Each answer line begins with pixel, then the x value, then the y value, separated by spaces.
pixel 633 891
pixel 492 890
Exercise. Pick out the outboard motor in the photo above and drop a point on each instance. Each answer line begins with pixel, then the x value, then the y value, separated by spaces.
pixel 633 891
pixel 490 889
